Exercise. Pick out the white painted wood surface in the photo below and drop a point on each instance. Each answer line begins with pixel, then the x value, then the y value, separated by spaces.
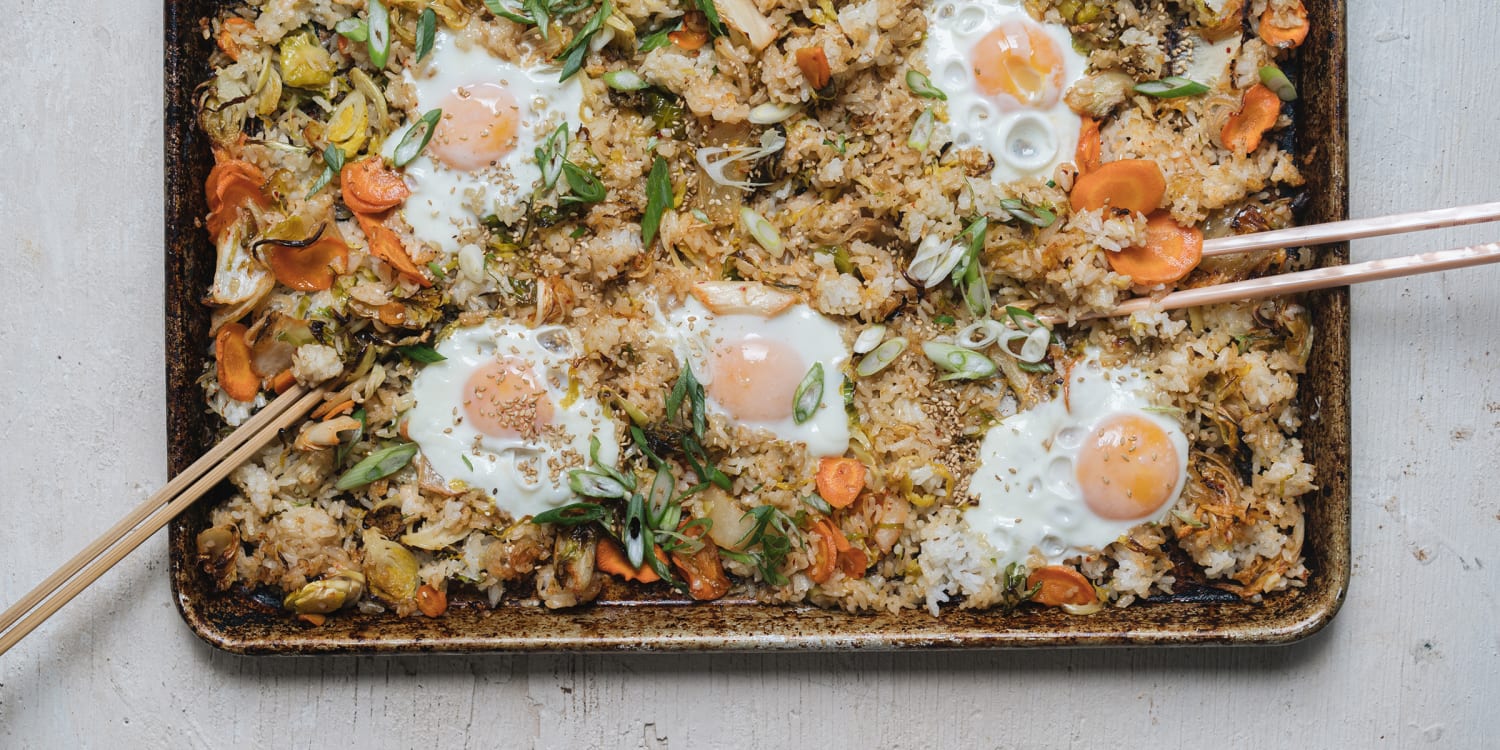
pixel 1411 661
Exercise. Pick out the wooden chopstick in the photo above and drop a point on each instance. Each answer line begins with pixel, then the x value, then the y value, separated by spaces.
pixel 122 538
pixel 1354 229
pixel 1317 278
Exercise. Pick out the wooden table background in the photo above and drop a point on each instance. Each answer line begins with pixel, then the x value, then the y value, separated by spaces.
pixel 1412 660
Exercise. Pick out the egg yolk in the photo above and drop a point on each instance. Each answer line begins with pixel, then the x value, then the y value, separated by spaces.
pixel 503 399
pixel 1018 60
pixel 1127 468
pixel 478 127
pixel 755 378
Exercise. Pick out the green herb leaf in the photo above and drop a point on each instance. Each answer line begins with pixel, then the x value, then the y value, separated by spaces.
pixel 1171 87
pixel 467 462
pixel 416 138
pixel 659 38
pixel 353 29
pixel 574 514
pixel 658 198
pixel 809 395
pixel 323 179
pixel 421 353
pixel 379 29
pixel 715 26
pixel 377 465
pixel 426 32
pixel 1031 214
pixel 585 186
pixel 817 503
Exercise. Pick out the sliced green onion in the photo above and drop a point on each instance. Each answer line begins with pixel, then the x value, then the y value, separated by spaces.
pixel 421 353
pixel 922 86
pixel 551 156
pixel 809 395
pixel 574 514
pixel 1024 319
pixel 595 484
pixel 881 357
pixel 1277 81
pixel 413 142
pixel 353 29
pixel 573 55
pixel 377 465
pixel 759 228
pixel 1031 214
pixel 379 29
pixel 426 32
pixel 921 130
pixel 659 497
pixel 934 261
pixel 771 113
pixel 817 503
pixel 958 362
pixel 585 187
pixel 1171 87
pixel 658 198
pixel 636 533
pixel 869 338
pixel 625 80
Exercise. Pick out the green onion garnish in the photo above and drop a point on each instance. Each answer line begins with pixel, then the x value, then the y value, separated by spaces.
pixel 595 484
pixel 921 130
pixel 761 229
pixel 958 362
pixel 922 86
pixel 380 34
pixel 574 514
pixel 585 186
pixel 426 32
pixel 1276 80
pixel 881 357
pixel 809 395
pixel 353 29
pixel 424 354
pixel 416 137
pixel 658 198
pixel 1031 214
pixel 1171 87
pixel 377 465
pixel 625 80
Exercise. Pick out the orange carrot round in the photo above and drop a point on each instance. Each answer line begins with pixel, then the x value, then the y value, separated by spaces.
pixel 609 558
pixel 370 188
pixel 432 601
pixel 703 570
pixel 1245 128
pixel 1171 252
pixel 825 555
pixel 225 38
pixel 231 184
pixel 237 375
pixel 1089 147
pixel 840 480
pixel 1285 37
pixel 308 269
pixel 1060 585
pixel 1130 184
pixel 385 245
pixel 694 31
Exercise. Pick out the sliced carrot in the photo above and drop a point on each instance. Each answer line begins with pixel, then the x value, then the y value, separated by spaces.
pixel 826 553
pixel 227 30
pixel 1245 128
pixel 231 184
pixel 392 313
pixel 347 407
pixel 311 268
pixel 283 380
pixel 840 480
pixel 1171 252
pixel 703 569
pixel 1285 37
pixel 694 31
pixel 370 188
pixel 431 600
pixel 1089 146
pixel 609 558
pixel 313 619
pixel 385 245
pixel 1130 184
pixel 232 353
pixel 1060 585
pixel 1231 17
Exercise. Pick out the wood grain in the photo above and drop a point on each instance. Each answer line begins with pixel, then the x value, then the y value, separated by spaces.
pixel 1410 662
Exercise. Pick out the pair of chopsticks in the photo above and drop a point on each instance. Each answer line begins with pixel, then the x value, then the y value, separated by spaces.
pixel 206 473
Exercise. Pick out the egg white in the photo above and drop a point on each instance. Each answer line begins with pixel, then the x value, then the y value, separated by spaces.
pixel 1029 500
pixel 694 330
pixel 444 202
pixel 525 477
pixel 1025 142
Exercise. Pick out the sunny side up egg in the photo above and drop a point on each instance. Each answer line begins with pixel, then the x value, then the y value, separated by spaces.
pixel 751 365
pixel 481 159
pixel 1005 75
pixel 1071 475
pixel 500 414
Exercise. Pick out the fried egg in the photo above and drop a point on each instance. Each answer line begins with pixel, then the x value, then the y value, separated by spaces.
pixel 501 414
pixel 1070 476
pixel 750 367
pixel 481 159
pixel 1004 75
